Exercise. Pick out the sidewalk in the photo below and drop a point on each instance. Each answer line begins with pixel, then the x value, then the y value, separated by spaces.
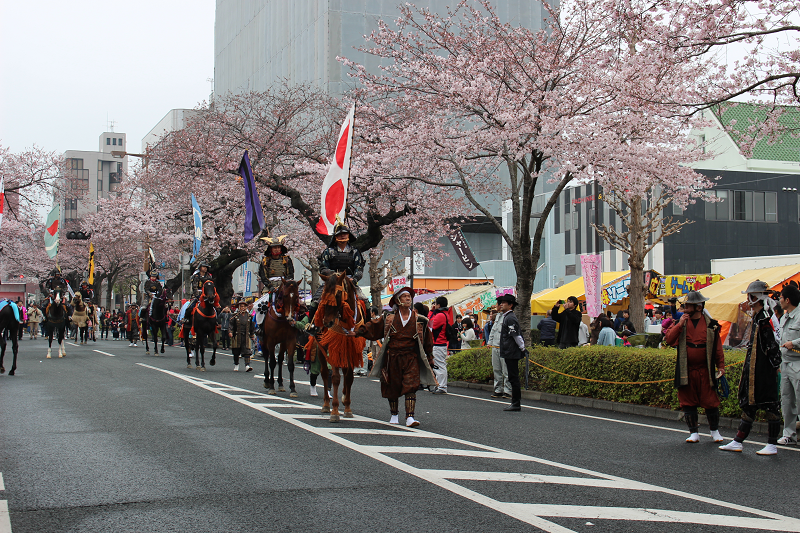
pixel 606 405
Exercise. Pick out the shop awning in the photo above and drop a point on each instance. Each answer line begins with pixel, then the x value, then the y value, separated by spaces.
pixel 543 301
pixel 725 296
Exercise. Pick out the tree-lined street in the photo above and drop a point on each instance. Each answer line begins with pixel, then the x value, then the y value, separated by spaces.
pixel 108 439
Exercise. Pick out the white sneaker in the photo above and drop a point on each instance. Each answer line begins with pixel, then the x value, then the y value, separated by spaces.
pixel 248 368
pixel 410 422
pixel 787 441
pixel 732 446
pixel 394 420
pixel 313 391
pixel 131 344
pixel 134 344
pixel 235 368
pixel 715 436
pixel 769 449
pixel 693 438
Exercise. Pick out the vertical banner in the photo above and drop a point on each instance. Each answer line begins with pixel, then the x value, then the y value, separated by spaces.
pixel 91 264
pixel 51 231
pixel 334 187
pixel 149 262
pixel 592 269
pixel 2 199
pixel 198 229
pixel 461 246
pixel 254 213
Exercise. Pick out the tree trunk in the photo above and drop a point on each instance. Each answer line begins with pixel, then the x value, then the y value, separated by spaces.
pixel 525 277
pixel 375 280
pixel 314 264
pixel 636 289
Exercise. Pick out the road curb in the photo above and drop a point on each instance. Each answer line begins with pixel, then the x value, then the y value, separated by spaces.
pixel 607 405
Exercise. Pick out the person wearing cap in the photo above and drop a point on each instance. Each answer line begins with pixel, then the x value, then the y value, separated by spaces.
pixel 696 335
pixel 242 334
pixel 790 362
pixel 275 265
pixel 152 285
pixel 200 276
pixel 406 357
pixel 339 256
pixel 757 389
pixel 512 346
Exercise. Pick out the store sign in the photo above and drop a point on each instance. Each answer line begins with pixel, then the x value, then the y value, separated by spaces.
pixel 669 286
pixel 576 201
pixel 397 283
pixel 616 291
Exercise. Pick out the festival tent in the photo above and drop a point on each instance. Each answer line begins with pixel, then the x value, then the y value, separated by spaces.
pixel 543 301
pixel 725 296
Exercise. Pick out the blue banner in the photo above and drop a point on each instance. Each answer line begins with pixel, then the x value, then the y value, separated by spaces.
pixel 198 229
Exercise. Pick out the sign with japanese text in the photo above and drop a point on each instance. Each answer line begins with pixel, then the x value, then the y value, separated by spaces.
pixel 592 269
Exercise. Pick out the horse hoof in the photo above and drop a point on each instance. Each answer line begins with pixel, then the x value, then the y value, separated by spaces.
pixel 2 370
pixel 188 366
pixel 49 356
pixel 281 389
pixel 60 355
pixel 213 362
pixel 147 353
pixel 198 367
pixel 11 373
pixel 348 414
pixel 334 418
pixel 271 391
pixel 162 350
pixel 202 369
pixel 293 394
pixel 325 410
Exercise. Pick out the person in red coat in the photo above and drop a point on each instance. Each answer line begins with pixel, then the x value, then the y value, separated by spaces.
pixel 700 363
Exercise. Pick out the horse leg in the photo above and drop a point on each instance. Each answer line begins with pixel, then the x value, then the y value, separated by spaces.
pixel 146 342
pixel 200 350
pixel 335 395
pixel 270 360
pixel 348 384
pixel 49 343
pixel 2 352
pixel 163 336
pixel 214 347
pixel 14 350
pixel 326 381
pixel 290 368
pixel 62 349
pixel 188 348
pixel 281 357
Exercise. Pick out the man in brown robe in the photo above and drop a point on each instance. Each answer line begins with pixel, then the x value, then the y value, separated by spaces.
pixel 700 362
pixel 406 357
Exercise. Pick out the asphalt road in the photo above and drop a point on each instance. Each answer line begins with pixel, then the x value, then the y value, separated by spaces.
pixel 120 441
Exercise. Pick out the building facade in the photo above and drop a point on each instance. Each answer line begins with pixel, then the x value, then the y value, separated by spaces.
pixel 92 175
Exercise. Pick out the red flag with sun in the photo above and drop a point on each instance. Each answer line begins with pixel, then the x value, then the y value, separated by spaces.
pixel 334 188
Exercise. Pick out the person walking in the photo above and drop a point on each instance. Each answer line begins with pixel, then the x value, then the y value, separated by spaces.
pixel 404 362
pixel 790 362
pixel 696 335
pixel 243 335
pixel 502 387
pixel 224 326
pixel 438 322
pixel 757 389
pixel 35 317
pixel 569 322
pixel 512 346
pixel 547 330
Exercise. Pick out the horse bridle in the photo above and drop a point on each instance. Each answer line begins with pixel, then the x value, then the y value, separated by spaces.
pixel 336 327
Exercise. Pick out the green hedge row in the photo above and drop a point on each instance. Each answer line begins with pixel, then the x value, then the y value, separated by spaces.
pixel 605 363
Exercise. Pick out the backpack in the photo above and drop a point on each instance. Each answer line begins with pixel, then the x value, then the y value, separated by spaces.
pixel 450 332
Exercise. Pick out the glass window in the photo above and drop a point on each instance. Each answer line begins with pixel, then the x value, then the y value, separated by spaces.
pixel 676 210
pixel 119 141
pixel 723 206
pixel 99 185
pixel 114 141
pixel 711 209
pixel 771 206
pixel 99 165
pixel 567 221
pixel 108 141
pixel 574 220
pixel 758 206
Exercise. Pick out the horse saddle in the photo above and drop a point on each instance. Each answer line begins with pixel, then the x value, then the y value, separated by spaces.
pixel 4 302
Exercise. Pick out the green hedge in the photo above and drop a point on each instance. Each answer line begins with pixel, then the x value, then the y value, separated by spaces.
pixel 605 363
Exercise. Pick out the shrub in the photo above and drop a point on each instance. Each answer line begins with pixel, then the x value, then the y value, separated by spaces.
pixel 602 363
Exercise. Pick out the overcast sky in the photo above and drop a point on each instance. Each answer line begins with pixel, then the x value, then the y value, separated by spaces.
pixel 68 66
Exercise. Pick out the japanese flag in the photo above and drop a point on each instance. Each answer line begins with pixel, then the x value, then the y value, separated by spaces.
pixel 334 188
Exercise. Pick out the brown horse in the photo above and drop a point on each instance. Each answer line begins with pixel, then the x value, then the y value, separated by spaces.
pixel 278 329
pixel 340 312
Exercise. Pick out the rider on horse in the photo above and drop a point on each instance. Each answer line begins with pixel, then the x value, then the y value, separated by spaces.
pixel 56 282
pixel 152 286
pixel 86 291
pixel 197 280
pixel 339 256
pixel 275 265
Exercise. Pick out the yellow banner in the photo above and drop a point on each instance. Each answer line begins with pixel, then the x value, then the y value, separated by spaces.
pixel 91 264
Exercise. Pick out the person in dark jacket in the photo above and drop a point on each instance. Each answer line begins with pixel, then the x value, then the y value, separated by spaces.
pixel 512 346
pixel 625 322
pixel 547 330
pixel 569 320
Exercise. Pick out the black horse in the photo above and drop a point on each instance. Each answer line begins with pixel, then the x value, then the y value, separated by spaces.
pixel 156 322
pixel 204 325
pixel 10 324
pixel 57 315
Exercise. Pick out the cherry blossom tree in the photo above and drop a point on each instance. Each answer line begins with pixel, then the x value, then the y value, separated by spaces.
pixel 484 110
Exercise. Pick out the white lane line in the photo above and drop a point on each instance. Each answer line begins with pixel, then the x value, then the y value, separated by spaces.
pixel 71 344
pixel 420 450
pixel 2 484
pixel 618 421
pixel 105 353
pixel 528 513
pixel 5 518
pixel 517 477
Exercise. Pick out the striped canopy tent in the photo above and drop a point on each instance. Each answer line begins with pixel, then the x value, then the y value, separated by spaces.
pixel 543 301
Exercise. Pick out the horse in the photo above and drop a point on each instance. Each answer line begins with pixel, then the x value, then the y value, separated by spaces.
pixel 10 324
pixel 156 316
pixel 340 313
pixel 204 325
pixel 57 315
pixel 276 329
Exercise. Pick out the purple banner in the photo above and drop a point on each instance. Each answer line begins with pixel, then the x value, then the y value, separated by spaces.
pixel 592 269
pixel 462 248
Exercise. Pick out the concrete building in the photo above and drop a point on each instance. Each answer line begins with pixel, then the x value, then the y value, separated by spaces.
pixel 93 175
pixel 175 119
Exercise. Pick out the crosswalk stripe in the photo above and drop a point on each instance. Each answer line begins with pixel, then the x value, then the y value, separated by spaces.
pixel 531 513
pixel 5 518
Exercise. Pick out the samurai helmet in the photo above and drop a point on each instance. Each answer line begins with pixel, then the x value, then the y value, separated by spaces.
pixel 277 241
pixel 757 290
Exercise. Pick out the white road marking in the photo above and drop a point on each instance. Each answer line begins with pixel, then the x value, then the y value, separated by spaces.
pixel 105 353
pixel 5 518
pixel 2 485
pixel 71 343
pixel 530 513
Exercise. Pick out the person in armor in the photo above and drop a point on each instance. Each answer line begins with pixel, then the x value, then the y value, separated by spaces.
pixel 152 285
pixel 275 265
pixel 56 281
pixel 199 277
pixel 85 290
pixel 339 256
